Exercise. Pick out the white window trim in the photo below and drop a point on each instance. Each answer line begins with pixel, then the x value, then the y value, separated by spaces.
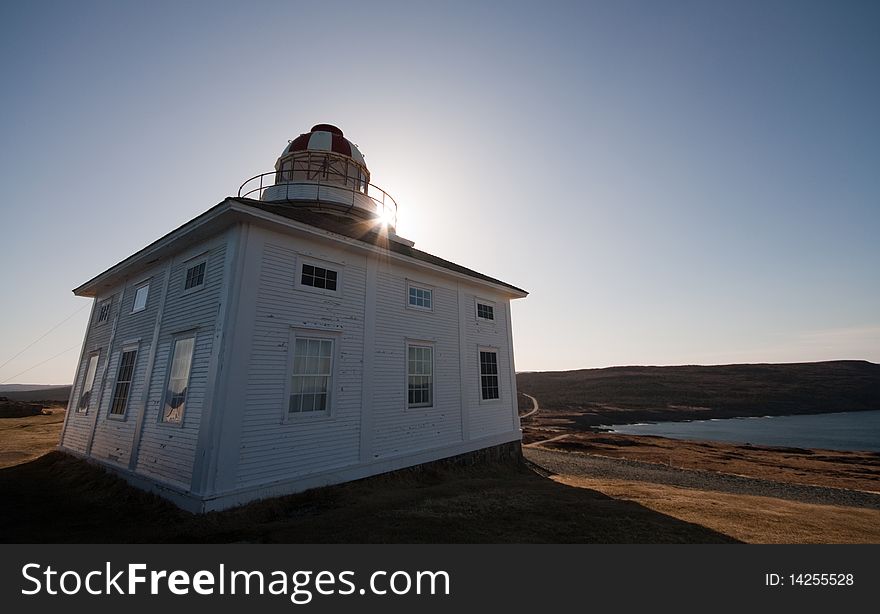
pixel 97 355
pixel 419 343
pixel 107 301
pixel 193 262
pixel 481 301
pixel 137 287
pixel 334 336
pixel 128 347
pixel 324 264
pixel 189 334
pixel 412 283
pixel 497 352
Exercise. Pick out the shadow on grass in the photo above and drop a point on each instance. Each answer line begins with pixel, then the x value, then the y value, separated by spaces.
pixel 57 498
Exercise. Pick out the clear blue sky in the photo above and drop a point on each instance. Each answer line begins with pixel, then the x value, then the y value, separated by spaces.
pixel 674 182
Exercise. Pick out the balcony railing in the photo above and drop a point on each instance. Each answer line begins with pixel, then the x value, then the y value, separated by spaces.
pixel 325 187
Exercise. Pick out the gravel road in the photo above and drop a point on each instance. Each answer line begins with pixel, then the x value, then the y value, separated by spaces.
pixel 585 465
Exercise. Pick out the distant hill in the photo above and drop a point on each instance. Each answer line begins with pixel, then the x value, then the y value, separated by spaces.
pixel 630 394
pixel 25 387
pixel 48 394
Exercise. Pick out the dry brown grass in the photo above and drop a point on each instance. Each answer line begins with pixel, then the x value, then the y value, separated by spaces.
pixel 24 439
pixel 751 519
pixel 831 468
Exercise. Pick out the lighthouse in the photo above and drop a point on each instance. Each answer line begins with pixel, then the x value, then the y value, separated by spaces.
pixel 289 338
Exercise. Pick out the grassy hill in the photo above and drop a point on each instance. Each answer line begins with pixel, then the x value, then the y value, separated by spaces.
pixel 54 395
pixel 629 394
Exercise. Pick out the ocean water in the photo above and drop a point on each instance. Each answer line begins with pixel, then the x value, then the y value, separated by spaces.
pixel 857 430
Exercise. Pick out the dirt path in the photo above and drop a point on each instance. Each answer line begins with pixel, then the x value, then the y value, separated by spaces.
pixel 585 465
pixel 535 444
pixel 534 409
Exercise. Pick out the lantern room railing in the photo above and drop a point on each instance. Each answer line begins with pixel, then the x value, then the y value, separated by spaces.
pixel 326 186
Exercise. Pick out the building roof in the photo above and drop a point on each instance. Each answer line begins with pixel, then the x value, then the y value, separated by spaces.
pixel 367 232
pixel 232 209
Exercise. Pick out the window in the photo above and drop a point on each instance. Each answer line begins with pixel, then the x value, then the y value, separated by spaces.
pixel 178 379
pixel 319 277
pixel 85 397
pixel 124 375
pixel 140 298
pixel 488 375
pixel 485 312
pixel 420 375
pixel 195 276
pixel 104 312
pixel 312 375
pixel 420 298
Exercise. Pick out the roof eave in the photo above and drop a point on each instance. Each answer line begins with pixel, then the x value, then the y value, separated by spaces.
pixel 210 221
pixel 152 252
pixel 503 287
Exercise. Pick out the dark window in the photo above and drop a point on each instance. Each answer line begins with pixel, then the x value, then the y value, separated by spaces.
pixel 104 312
pixel 487 312
pixel 318 277
pixel 489 375
pixel 195 276
pixel 123 383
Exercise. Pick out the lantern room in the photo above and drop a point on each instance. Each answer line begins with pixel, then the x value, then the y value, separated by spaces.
pixel 323 170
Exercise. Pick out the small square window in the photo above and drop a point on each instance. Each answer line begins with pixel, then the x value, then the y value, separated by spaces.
pixel 195 276
pixel 485 312
pixel 140 298
pixel 319 277
pixel 104 312
pixel 420 298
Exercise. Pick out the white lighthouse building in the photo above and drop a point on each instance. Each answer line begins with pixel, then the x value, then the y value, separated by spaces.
pixel 287 338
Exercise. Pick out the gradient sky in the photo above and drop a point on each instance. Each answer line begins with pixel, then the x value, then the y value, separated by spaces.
pixel 674 182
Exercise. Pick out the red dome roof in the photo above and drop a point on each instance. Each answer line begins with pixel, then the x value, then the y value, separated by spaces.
pixel 325 137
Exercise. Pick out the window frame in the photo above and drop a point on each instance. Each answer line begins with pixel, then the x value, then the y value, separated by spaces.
pixel 80 408
pixel 108 303
pixel 486 303
pixel 323 264
pixel 411 283
pixel 190 264
pixel 191 334
pixel 137 289
pixel 420 343
pixel 494 350
pixel 334 336
pixel 128 347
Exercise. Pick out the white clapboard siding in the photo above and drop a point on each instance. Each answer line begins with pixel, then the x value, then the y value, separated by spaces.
pixel 273 448
pixel 113 437
pixel 396 428
pixel 486 417
pixel 167 451
pixel 78 429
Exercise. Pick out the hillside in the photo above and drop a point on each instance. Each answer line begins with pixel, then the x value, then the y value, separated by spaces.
pixel 631 394
pixel 53 395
